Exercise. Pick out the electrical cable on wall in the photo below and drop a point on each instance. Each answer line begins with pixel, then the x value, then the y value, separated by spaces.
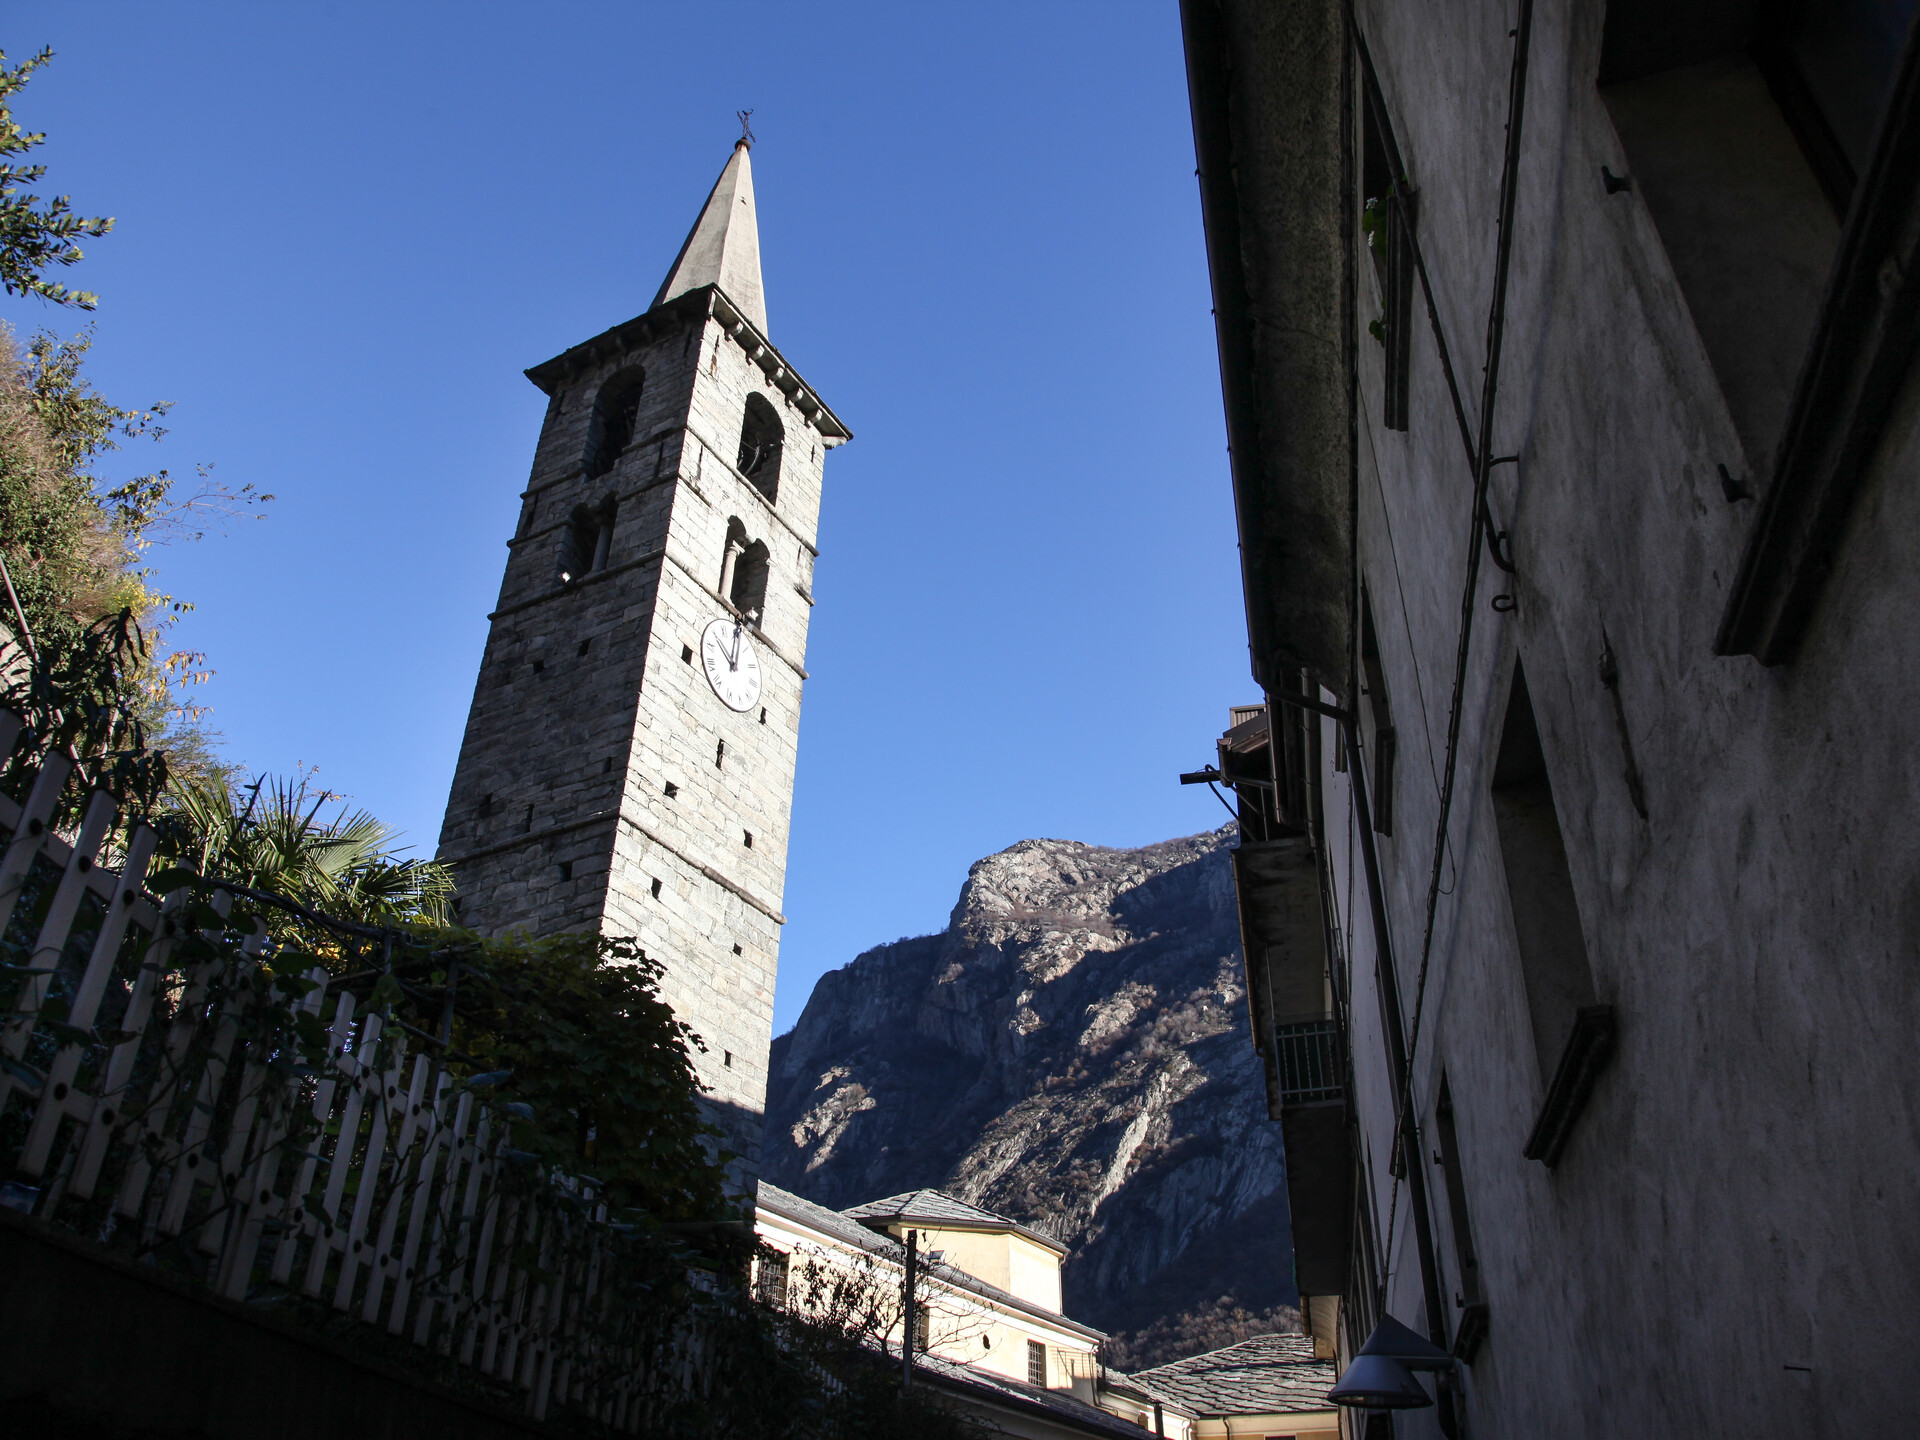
pixel 1483 453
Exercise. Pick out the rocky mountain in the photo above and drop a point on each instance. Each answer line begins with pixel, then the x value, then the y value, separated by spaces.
pixel 1072 1051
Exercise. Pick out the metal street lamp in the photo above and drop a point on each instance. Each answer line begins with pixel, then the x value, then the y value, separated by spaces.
pixel 1379 1382
pixel 1380 1376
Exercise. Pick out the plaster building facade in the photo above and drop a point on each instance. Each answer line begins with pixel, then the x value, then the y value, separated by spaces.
pixel 990 1336
pixel 1567 352
pixel 629 756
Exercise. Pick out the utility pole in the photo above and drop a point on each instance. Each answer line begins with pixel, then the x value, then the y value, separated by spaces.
pixel 908 1310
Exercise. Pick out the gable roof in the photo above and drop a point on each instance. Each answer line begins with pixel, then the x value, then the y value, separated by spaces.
pixel 843 1227
pixel 940 1211
pixel 1269 1374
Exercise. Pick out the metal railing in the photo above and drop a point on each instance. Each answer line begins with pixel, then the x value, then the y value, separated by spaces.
pixel 1307 1056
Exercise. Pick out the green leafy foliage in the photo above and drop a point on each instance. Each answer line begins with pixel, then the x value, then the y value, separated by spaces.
pixel 73 700
pixel 35 234
pixel 274 836
pixel 1373 222
pixel 569 1034
pixel 74 547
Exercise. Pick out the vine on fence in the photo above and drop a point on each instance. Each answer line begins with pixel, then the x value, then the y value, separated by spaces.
pixel 483 1157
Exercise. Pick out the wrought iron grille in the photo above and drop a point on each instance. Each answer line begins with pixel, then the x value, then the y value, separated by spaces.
pixel 1308 1057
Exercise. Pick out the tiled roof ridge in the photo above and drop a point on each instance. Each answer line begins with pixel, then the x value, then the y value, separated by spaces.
pixel 934 1206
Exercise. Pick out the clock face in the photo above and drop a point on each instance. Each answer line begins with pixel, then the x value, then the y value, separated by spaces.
pixel 732 668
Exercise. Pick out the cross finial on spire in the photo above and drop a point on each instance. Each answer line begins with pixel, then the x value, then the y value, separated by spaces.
pixel 746 131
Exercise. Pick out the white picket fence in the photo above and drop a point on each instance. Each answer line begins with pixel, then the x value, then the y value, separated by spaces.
pixel 151 1089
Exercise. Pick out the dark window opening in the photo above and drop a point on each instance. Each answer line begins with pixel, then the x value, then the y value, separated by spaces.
pixel 1036 1363
pixel 720 755
pixel 566 870
pixel 1572 1033
pixel 763 714
pixel 588 541
pixel 1455 1178
pixel 1376 719
pixel 727 1058
pixel 656 889
pixel 744 569
pixel 584 646
pixel 1746 124
pixel 539 666
pixel 770 1279
pixel 686 654
pixel 1387 224
pixel 736 949
pixel 749 835
pixel 606 766
pixel 616 410
pixel 486 806
pixel 526 825
pixel 670 790
pixel 761 436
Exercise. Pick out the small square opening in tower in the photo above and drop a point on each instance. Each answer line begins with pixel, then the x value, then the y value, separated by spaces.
pixel 763 714
pixel 670 790
pixel 566 869
pixel 729 1058
pixel 585 645
pixel 538 666
pixel 749 835
pixel 736 949
pixel 720 755
pixel 686 654
pixel 656 889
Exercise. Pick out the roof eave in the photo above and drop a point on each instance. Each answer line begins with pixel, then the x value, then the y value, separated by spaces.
pixel 938 1222
pixel 706 301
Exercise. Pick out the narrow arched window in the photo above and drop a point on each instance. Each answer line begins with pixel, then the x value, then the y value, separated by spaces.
pixel 761 436
pixel 616 410
pixel 587 543
pixel 748 591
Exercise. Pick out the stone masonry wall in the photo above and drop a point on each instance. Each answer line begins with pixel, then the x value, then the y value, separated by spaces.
pixel 591 700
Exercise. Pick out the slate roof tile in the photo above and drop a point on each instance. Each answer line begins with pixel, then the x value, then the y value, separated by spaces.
pixel 1269 1374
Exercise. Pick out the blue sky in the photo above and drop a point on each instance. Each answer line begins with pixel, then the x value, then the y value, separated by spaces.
pixel 344 230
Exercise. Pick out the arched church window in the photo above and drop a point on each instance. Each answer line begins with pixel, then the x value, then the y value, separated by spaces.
pixel 743 569
pixel 588 541
pixel 616 410
pixel 761 436
pixel 750 582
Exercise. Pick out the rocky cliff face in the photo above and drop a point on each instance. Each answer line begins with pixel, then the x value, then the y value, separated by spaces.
pixel 1072 1051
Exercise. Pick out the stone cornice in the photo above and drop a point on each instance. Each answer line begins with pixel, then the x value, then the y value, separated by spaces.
pixel 708 301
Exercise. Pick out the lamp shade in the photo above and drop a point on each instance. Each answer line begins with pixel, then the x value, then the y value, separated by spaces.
pixel 1379 1382
pixel 1396 1342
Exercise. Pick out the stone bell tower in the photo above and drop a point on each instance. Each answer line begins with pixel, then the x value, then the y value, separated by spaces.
pixel 629 755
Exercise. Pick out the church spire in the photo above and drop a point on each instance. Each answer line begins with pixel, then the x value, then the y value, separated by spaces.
pixel 724 246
